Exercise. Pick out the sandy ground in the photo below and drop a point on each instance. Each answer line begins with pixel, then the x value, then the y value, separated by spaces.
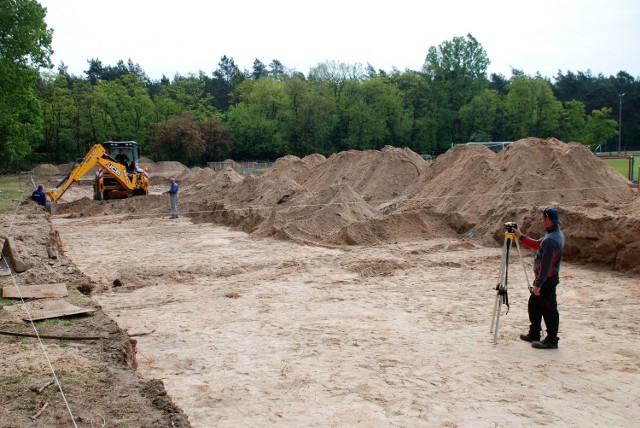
pixel 259 332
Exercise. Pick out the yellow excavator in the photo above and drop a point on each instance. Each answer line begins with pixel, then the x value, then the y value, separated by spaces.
pixel 118 176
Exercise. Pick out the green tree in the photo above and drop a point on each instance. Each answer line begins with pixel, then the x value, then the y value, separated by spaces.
pixel 457 70
pixel 225 79
pixel 179 138
pixel 461 64
pixel 602 91
pixel 277 70
pixel 519 108
pixel 186 94
pixel 70 116
pixel 337 73
pixel 98 71
pixel 166 106
pixel 259 69
pixel 57 108
pixel 25 47
pixel 217 138
pixel 600 128
pixel 85 117
pixel 126 108
pixel 480 116
pixel 358 125
pixel 256 120
pixel 309 125
pixel 371 115
pixel 547 109
pixel 572 121
pixel 415 91
pixel 531 108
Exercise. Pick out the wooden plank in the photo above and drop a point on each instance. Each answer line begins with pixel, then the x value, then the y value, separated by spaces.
pixel 39 291
pixel 10 252
pixel 45 309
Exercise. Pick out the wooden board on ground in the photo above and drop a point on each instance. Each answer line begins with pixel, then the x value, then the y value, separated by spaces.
pixel 39 291
pixel 9 250
pixel 45 309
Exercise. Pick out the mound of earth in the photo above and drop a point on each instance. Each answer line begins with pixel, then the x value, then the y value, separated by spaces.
pixel 314 159
pixel 291 167
pixel 319 215
pixel 166 169
pixel 45 169
pixel 376 175
pixel 391 195
pixel 196 176
pixel 475 181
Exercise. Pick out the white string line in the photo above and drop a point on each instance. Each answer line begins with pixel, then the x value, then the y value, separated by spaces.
pixel 26 307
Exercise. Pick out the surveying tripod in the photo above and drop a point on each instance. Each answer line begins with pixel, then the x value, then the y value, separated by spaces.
pixel 502 296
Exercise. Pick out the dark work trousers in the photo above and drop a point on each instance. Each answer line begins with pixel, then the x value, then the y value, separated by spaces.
pixel 545 306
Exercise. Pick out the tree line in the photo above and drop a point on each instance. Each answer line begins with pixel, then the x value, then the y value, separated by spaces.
pixel 272 111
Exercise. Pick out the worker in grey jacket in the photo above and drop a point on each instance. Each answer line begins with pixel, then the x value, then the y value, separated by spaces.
pixel 546 266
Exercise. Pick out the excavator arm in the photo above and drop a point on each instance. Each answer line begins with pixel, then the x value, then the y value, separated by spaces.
pixel 90 159
pixel 96 155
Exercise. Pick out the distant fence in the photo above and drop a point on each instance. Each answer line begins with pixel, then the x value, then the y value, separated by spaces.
pixel 625 165
pixel 243 167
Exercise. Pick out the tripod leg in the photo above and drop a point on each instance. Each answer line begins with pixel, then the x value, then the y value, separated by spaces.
pixel 523 266
pixel 495 334
pixel 498 305
pixel 496 308
pixel 501 288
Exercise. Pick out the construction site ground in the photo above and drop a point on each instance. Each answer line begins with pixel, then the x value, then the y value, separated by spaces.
pixel 351 291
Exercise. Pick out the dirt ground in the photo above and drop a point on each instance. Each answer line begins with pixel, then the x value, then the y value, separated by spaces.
pixel 351 291
pixel 97 382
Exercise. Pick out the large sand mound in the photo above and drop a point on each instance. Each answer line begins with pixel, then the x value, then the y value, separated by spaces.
pixel 392 195
pixel 45 169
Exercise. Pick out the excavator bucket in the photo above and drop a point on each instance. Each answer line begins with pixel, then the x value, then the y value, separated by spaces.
pixel 52 207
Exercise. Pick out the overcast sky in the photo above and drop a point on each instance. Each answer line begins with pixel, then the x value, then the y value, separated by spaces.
pixel 189 36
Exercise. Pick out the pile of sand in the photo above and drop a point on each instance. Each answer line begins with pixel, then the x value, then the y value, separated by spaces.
pixel 45 169
pixel 166 169
pixel 392 195
pixel 196 176
pixel 377 176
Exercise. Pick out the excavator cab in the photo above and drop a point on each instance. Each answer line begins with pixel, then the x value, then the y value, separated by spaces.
pixel 126 153
pixel 111 185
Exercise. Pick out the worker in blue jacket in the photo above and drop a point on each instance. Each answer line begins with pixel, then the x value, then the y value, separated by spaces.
pixel 173 196
pixel 39 196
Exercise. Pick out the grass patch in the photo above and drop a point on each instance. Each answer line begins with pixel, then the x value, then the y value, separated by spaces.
pixel 7 302
pixel 51 322
pixel 15 188
pixel 622 166
pixel 47 326
pixel 19 379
